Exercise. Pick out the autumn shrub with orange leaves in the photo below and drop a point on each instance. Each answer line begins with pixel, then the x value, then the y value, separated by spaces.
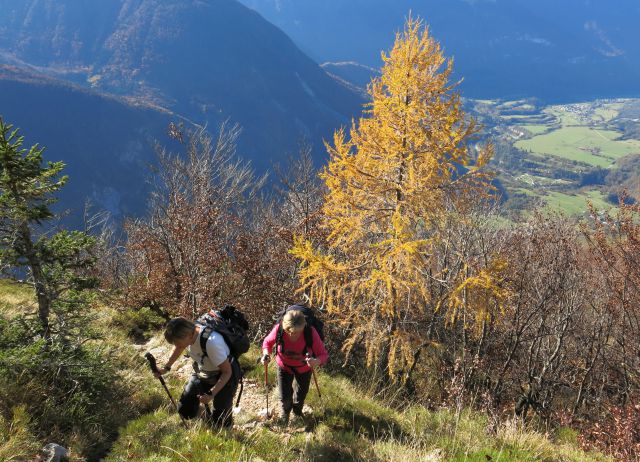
pixel 212 237
pixel 614 241
pixel 617 434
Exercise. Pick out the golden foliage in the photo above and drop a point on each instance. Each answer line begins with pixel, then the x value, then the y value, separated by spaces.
pixel 480 291
pixel 407 164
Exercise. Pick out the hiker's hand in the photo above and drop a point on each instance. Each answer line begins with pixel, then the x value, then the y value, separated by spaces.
pixel 205 399
pixel 160 372
pixel 312 362
pixel 265 358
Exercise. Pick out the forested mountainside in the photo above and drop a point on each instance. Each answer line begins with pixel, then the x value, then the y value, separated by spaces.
pixel 107 142
pixel 208 61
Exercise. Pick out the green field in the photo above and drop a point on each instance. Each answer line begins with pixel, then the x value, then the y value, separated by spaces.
pixel 558 141
pixel 609 112
pixel 535 129
pixel 596 147
pixel 565 118
pixel 575 204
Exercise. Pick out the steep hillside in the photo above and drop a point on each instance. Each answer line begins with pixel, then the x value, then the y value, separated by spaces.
pixel 552 50
pixel 106 142
pixel 206 60
pixel 345 423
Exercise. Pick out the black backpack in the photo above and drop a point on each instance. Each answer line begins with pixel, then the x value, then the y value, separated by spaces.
pixel 312 321
pixel 231 324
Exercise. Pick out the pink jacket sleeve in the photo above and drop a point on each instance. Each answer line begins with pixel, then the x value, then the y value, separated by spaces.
pixel 270 340
pixel 319 350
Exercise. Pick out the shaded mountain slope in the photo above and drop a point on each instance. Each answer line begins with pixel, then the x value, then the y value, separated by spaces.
pixel 209 60
pixel 106 142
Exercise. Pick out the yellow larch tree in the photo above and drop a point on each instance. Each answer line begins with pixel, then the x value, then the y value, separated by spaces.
pixel 408 165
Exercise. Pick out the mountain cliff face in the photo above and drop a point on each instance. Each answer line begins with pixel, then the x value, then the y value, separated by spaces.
pixel 208 60
pixel 554 50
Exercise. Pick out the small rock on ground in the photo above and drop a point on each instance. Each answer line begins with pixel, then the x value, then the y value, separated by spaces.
pixel 54 453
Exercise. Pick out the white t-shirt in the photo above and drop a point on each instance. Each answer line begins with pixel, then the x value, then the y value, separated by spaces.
pixel 217 352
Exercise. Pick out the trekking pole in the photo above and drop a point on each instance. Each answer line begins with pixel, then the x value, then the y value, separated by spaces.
pixel 266 385
pixel 154 368
pixel 315 378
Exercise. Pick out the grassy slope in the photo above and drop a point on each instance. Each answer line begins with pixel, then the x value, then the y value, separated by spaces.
pixel 15 298
pixel 347 425
pixel 575 204
pixel 19 440
pixel 536 129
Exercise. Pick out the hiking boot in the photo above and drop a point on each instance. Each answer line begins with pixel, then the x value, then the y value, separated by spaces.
pixel 283 420
pixel 298 421
pixel 298 412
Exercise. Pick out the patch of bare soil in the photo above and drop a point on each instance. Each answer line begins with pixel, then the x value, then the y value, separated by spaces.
pixel 251 413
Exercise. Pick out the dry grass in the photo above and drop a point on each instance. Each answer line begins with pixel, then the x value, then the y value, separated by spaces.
pixel 346 424
pixel 16 298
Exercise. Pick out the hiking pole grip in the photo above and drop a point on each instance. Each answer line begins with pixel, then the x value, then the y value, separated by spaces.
pixel 152 362
pixel 154 368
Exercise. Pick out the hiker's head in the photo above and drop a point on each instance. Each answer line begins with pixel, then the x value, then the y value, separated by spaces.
pixel 179 331
pixel 293 322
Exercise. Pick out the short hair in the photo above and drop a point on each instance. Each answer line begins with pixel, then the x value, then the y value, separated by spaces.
pixel 177 329
pixel 293 320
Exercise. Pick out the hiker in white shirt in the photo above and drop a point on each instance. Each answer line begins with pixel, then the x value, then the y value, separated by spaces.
pixel 216 373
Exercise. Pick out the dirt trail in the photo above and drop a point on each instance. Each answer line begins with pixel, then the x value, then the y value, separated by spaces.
pixel 253 402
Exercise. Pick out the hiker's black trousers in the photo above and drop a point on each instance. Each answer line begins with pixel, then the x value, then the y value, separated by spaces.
pixel 222 412
pixel 293 390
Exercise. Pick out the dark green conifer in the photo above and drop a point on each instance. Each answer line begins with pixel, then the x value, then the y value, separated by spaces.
pixel 27 191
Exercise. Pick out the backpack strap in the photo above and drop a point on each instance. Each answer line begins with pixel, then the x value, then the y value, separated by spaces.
pixel 280 338
pixel 204 337
pixel 308 339
pixel 207 329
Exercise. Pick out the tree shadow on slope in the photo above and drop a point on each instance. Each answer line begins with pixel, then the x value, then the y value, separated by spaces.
pixel 349 419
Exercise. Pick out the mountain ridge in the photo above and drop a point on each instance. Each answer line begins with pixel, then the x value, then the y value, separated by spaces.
pixel 555 51
pixel 207 60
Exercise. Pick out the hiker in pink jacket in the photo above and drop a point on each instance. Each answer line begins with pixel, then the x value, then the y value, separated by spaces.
pixel 299 348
